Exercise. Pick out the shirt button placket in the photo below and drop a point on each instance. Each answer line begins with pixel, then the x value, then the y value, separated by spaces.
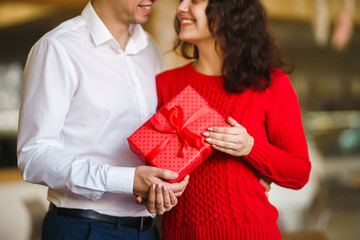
pixel 135 83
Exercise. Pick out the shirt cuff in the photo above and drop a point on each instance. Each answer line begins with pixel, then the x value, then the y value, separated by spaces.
pixel 121 180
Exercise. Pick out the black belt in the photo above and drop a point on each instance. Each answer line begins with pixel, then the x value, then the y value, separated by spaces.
pixel 140 223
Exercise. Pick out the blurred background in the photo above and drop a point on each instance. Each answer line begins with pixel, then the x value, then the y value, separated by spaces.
pixel 322 39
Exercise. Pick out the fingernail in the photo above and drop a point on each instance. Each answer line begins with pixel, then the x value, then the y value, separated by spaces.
pixel 208 140
pixel 165 188
pixel 171 192
pixel 206 134
pixel 153 187
pixel 174 175
pixel 211 129
pixel 159 186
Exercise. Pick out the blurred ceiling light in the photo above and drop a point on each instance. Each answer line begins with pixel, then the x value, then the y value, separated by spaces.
pixel 321 23
pixel 344 26
pixel 17 13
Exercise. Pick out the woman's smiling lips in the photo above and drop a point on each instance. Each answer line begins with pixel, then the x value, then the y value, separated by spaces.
pixel 186 21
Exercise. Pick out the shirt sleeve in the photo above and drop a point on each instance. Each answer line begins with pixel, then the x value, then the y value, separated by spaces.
pixel 49 85
pixel 283 157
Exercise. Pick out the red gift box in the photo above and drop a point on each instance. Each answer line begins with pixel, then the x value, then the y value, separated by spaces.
pixel 172 138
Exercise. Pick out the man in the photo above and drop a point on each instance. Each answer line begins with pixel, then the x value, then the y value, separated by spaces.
pixel 89 84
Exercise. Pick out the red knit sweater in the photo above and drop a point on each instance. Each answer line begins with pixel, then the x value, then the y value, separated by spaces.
pixel 224 198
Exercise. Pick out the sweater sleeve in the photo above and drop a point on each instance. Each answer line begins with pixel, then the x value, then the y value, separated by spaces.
pixel 283 157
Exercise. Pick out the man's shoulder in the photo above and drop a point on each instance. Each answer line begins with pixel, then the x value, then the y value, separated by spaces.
pixel 151 41
pixel 66 29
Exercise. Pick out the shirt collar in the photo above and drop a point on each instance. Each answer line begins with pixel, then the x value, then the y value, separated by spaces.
pixel 100 34
pixel 138 39
pixel 97 28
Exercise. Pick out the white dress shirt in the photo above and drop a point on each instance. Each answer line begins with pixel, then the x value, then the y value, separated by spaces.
pixel 82 97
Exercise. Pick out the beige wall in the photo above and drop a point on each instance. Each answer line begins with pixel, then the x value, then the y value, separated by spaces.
pixel 161 27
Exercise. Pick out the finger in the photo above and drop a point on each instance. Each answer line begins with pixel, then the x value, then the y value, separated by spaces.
pixel 138 200
pixel 166 196
pixel 159 203
pixel 265 185
pixel 166 174
pixel 173 199
pixel 226 137
pixel 223 144
pixel 178 188
pixel 227 150
pixel 151 200
pixel 228 130
pixel 232 122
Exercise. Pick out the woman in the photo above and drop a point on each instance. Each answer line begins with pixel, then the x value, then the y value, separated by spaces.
pixel 237 68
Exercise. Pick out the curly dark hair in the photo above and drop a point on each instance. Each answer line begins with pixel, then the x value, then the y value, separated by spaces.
pixel 240 29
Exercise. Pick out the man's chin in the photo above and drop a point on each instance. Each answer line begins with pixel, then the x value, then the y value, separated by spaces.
pixel 143 19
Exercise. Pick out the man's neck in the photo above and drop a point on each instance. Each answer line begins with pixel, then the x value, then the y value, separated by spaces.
pixel 118 29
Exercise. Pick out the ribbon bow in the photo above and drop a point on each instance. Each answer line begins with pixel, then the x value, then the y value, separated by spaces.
pixel 175 116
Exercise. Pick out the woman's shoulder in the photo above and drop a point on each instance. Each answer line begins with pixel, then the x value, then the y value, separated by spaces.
pixel 173 74
pixel 171 82
pixel 279 80
pixel 278 75
pixel 280 87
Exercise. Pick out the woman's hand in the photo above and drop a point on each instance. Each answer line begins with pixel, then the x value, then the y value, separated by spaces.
pixel 160 199
pixel 233 140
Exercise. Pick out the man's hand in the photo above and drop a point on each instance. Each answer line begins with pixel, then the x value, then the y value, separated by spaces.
pixel 266 185
pixel 146 176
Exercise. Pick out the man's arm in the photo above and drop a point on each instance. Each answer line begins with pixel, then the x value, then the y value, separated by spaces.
pixel 50 82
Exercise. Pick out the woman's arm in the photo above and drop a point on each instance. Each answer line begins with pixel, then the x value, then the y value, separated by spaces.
pixel 283 157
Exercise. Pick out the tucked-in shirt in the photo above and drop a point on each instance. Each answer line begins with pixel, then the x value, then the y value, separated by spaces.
pixel 82 97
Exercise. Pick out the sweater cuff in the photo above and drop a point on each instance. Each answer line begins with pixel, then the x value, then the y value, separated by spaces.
pixel 258 154
pixel 121 180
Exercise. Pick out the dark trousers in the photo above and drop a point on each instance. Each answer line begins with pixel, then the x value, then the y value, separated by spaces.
pixel 57 227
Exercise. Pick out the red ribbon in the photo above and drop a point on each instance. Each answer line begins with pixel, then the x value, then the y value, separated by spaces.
pixel 175 116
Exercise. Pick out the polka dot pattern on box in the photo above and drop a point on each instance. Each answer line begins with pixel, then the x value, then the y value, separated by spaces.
pixel 147 137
